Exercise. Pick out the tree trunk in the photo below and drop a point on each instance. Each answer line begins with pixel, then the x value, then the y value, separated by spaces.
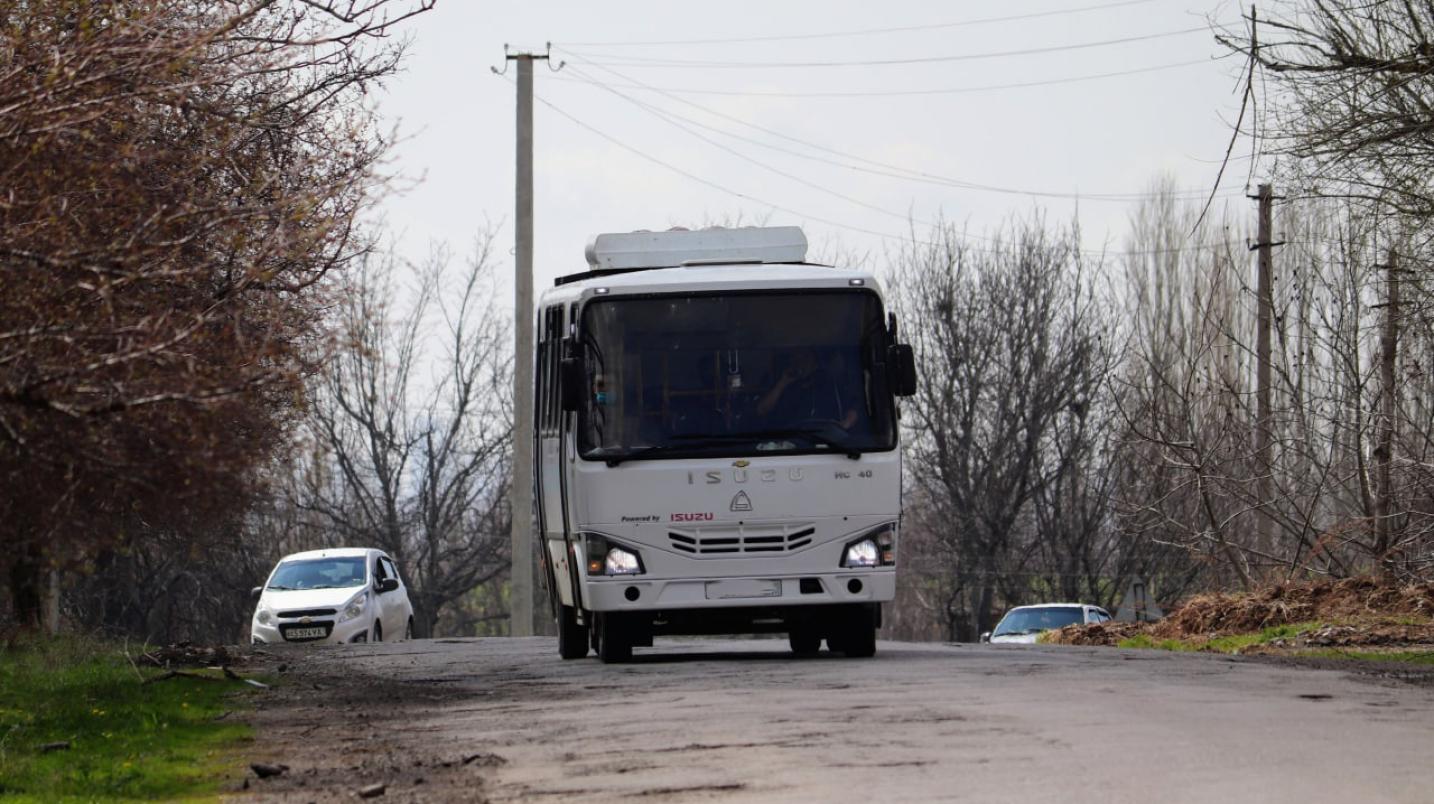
pixel 27 583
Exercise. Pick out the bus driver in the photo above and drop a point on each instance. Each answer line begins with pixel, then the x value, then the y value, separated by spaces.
pixel 805 392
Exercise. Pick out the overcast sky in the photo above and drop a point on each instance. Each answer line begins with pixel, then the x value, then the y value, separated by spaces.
pixel 850 119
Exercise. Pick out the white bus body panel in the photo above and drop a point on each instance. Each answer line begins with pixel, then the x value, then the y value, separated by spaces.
pixel 668 509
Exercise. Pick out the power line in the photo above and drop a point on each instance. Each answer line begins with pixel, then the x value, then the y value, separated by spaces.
pixel 896 93
pixel 877 168
pixel 885 236
pixel 867 32
pixel 673 120
pixel 637 61
pixel 694 177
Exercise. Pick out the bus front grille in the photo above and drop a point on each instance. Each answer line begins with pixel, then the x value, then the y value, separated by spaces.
pixel 727 543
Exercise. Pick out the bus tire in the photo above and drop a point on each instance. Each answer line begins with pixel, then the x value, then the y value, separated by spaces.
pixel 805 641
pixel 614 642
pixel 858 640
pixel 572 636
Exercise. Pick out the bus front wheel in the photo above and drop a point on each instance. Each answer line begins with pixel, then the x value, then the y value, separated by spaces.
pixel 614 639
pixel 857 635
pixel 572 636
pixel 805 641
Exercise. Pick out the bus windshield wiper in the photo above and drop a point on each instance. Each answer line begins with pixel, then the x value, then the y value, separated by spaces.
pixel 813 434
pixel 703 439
pixel 637 454
pixel 818 437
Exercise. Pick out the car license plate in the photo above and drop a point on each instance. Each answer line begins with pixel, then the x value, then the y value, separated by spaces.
pixel 304 633
pixel 740 588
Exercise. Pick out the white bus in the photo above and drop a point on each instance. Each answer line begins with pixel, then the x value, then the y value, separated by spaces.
pixel 717 444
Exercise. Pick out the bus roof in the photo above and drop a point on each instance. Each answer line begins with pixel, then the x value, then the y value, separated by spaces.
pixel 640 250
pixel 707 260
pixel 721 277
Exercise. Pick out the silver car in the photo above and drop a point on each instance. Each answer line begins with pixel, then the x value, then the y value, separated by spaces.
pixel 1024 624
pixel 350 594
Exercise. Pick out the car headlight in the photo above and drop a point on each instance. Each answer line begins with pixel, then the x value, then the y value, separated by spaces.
pixel 354 608
pixel 609 559
pixel 263 616
pixel 876 549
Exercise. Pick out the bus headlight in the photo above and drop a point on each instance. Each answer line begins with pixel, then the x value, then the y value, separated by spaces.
pixel 605 558
pixel 861 554
pixel 876 549
pixel 621 562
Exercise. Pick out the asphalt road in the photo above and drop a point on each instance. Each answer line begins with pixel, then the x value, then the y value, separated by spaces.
pixel 505 720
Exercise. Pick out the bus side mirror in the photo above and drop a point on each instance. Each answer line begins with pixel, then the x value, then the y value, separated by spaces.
pixel 902 362
pixel 570 383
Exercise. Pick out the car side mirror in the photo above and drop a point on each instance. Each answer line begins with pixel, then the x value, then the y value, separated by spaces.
pixel 986 636
pixel 256 591
pixel 902 362
pixel 570 383
pixel 387 585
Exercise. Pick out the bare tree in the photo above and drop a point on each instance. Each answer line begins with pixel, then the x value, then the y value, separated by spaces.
pixel 1349 113
pixel 412 450
pixel 181 179
pixel 1012 352
pixel 1186 390
pixel 1342 496
pixel 191 585
pixel 1350 93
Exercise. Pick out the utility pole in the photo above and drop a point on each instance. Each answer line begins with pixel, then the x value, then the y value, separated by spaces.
pixel 1384 448
pixel 1264 323
pixel 521 618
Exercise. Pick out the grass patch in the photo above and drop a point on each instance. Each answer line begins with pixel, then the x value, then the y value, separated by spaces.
pixel 1234 643
pixel 127 741
pixel 1145 641
pixel 1411 657
pixel 1240 643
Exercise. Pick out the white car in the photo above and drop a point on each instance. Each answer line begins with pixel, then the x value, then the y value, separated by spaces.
pixel 1024 624
pixel 343 595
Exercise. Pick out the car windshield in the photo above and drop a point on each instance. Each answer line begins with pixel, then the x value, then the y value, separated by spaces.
pixel 735 374
pixel 319 573
pixel 1025 621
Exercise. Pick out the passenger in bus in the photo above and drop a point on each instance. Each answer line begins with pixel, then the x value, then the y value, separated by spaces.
pixel 604 397
pixel 808 391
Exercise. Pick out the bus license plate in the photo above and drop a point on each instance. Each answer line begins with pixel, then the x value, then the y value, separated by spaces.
pixel 729 590
pixel 305 633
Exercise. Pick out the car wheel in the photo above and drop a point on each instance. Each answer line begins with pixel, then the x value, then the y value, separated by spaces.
pixel 572 637
pixel 377 631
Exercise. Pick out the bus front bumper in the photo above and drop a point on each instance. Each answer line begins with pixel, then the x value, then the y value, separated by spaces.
pixel 640 593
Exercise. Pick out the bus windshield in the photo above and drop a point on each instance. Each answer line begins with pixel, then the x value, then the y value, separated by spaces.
pixel 735 374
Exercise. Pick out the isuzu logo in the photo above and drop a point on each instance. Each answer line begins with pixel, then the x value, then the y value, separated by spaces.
pixel 705 516
pixel 743 475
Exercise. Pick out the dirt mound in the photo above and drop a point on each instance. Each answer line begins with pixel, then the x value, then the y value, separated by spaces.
pixel 1348 598
pixel 1367 612
pixel 1110 634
